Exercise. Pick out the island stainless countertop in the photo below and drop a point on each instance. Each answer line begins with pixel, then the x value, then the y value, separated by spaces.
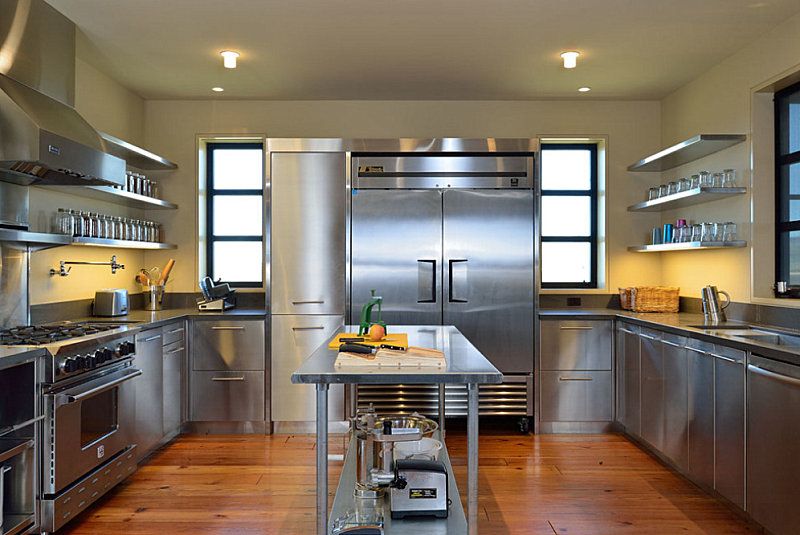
pixel 465 364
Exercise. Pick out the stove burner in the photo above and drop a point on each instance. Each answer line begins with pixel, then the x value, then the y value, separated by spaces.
pixel 36 335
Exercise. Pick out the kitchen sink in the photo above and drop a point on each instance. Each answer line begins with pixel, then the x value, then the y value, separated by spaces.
pixel 113 322
pixel 724 327
pixel 772 338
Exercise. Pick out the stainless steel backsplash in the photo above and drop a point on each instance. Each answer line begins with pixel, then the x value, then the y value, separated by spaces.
pixel 13 285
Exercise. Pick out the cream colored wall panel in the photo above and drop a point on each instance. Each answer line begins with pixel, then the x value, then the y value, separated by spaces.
pixel 632 129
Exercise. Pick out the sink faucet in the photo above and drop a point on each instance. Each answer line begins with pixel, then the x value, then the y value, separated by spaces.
pixel 63 270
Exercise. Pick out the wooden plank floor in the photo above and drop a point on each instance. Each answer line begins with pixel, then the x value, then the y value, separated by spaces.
pixel 531 485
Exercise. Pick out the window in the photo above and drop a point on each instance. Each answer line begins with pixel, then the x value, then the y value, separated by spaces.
pixel 569 216
pixel 787 187
pixel 234 213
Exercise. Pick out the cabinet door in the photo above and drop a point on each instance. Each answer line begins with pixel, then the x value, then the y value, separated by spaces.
pixel 729 418
pixel 700 462
pixel 228 345
pixel 575 345
pixel 149 392
pixel 308 232
pixel 174 332
pixel 174 392
pixel 652 390
pixel 628 377
pixel 675 400
pixel 294 338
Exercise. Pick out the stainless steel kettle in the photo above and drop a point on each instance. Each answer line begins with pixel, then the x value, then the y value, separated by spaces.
pixel 712 309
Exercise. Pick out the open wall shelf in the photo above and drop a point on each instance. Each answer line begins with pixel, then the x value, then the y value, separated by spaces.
pixel 116 196
pixel 686 198
pixel 121 244
pixel 687 151
pixel 136 156
pixel 687 246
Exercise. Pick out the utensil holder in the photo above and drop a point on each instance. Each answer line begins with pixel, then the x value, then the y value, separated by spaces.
pixel 153 297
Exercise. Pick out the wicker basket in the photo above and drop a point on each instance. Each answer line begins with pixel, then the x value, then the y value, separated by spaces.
pixel 625 298
pixel 655 299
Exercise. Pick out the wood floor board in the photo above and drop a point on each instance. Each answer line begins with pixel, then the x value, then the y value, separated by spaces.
pixel 529 485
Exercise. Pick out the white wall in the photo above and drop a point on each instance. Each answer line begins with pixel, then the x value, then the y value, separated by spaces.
pixel 111 108
pixel 632 128
pixel 720 102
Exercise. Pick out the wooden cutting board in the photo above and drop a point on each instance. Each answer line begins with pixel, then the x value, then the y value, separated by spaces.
pixel 414 357
pixel 393 339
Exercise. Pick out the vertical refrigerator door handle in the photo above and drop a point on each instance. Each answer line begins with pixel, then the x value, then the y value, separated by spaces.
pixel 426 282
pixel 452 296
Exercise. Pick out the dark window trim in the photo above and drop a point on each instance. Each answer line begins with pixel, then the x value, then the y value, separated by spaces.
pixel 210 194
pixel 783 225
pixel 592 192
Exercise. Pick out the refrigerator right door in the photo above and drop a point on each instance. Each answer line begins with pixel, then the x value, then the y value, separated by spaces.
pixel 396 250
pixel 488 273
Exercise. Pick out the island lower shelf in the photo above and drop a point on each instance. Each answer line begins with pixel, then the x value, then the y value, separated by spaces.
pixel 345 503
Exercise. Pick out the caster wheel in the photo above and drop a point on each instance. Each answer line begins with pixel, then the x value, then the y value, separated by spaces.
pixel 524 426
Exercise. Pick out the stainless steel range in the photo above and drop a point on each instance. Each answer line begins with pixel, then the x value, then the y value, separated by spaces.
pixel 89 405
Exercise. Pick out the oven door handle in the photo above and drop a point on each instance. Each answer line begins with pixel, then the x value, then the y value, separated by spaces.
pixel 65 399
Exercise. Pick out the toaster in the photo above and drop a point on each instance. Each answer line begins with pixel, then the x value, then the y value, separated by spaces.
pixel 111 302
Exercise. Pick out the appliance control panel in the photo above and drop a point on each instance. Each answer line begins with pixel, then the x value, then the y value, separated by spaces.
pixel 86 359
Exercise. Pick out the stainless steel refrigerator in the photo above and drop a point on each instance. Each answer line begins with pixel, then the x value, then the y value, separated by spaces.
pixel 449 239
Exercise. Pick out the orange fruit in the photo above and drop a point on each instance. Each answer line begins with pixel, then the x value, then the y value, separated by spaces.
pixel 376 332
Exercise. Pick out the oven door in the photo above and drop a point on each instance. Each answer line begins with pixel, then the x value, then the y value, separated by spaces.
pixel 87 424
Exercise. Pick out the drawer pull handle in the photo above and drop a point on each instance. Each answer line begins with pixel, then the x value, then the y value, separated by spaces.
pixel 576 327
pixel 173 331
pixel 176 350
pixel 152 338
pixel 726 359
pixel 575 379
pixel 227 328
pixel 314 328
pixel 240 378
pixel 318 302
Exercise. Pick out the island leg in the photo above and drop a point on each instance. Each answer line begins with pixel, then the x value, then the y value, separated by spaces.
pixel 441 409
pixel 472 458
pixel 322 459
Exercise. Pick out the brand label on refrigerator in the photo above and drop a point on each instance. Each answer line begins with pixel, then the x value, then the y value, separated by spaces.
pixel 101 451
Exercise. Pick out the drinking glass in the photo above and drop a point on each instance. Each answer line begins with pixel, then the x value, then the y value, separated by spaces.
pixel 729 178
pixel 663 190
pixel 684 184
pixel 729 231
pixel 707 232
pixel 672 188
pixel 716 180
pixel 697 232
pixel 652 194
pixel 694 181
pixel 705 179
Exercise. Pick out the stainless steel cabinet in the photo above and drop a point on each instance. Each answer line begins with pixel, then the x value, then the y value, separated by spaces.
pixel 576 396
pixel 729 423
pixel 575 345
pixel 294 338
pixel 700 465
pixel 227 396
pixel 228 345
pixel 174 389
pixel 308 232
pixel 773 444
pixel 675 365
pixel 652 390
pixel 628 378
pixel 149 429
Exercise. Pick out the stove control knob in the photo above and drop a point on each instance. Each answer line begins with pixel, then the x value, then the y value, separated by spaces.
pixel 81 362
pixel 107 354
pixel 123 349
pixel 130 348
pixel 99 356
pixel 68 366
pixel 91 361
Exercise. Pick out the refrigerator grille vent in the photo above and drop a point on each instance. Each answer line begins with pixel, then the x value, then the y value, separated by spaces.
pixel 507 399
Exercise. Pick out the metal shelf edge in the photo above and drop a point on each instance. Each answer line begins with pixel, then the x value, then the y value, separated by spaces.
pixel 686 246
pixel 136 156
pixel 115 196
pixel 121 244
pixel 686 151
pixel 686 198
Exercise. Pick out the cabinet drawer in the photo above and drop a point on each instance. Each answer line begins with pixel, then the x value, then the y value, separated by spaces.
pixel 576 396
pixel 575 345
pixel 227 396
pixel 228 345
pixel 174 332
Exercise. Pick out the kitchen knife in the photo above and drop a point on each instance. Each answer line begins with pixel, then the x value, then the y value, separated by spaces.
pixel 356 348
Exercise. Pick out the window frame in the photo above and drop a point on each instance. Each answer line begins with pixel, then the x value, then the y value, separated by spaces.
pixel 782 191
pixel 593 194
pixel 212 193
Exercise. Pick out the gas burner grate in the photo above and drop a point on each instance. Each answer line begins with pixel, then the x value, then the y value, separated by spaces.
pixel 35 335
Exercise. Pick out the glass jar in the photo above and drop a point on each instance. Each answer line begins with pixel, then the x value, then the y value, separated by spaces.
pixel 729 178
pixel 158 236
pixel 127 228
pixel 154 189
pixel 729 232
pixel 672 188
pixel 62 222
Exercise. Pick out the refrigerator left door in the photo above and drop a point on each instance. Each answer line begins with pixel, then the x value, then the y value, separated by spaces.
pixel 294 339
pixel 307 252
pixel 488 273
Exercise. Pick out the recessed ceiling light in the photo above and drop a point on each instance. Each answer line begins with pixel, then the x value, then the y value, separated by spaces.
pixel 229 58
pixel 584 89
pixel 570 59
pixel 217 89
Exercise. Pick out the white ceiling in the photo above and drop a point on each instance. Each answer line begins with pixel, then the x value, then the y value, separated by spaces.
pixel 416 49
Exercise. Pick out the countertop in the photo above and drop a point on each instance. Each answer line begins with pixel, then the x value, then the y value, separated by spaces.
pixel 687 324
pixel 465 364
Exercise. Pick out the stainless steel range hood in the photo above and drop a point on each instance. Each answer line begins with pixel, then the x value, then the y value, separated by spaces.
pixel 43 140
